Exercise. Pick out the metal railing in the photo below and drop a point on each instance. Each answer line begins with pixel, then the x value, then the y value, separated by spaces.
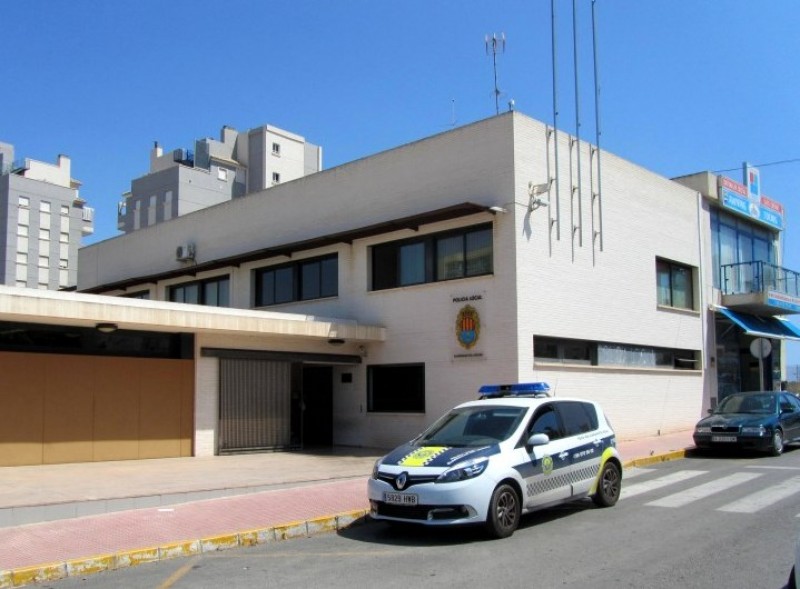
pixel 757 277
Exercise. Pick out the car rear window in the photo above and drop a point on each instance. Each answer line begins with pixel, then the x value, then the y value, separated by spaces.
pixel 577 417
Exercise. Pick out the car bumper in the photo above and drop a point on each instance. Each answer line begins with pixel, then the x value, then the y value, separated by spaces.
pixel 436 504
pixel 734 441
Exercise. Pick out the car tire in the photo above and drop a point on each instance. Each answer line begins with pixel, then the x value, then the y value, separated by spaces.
pixel 609 485
pixel 776 448
pixel 792 584
pixel 504 512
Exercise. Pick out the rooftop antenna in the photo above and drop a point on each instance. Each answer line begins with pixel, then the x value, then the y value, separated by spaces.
pixel 497 44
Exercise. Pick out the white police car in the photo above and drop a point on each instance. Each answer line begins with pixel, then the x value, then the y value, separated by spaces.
pixel 492 460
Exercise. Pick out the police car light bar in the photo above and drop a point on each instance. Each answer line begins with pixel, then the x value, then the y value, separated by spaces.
pixel 523 389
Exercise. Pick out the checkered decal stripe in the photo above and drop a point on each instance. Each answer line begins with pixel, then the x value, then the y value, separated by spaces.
pixel 570 478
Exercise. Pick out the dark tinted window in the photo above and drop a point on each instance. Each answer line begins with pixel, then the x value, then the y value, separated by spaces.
pixel 298 281
pixel 396 388
pixel 578 418
pixel 546 422
pixel 433 258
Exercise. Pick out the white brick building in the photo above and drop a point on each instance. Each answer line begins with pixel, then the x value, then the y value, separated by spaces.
pixel 353 306
pixel 541 276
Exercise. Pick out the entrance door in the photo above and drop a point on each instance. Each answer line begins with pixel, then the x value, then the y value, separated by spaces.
pixel 318 406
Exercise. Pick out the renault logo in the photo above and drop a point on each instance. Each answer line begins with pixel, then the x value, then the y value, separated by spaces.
pixel 401 480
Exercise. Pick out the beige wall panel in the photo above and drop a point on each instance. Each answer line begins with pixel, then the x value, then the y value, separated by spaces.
pixel 21 403
pixel 116 409
pixel 160 410
pixel 68 409
pixel 57 409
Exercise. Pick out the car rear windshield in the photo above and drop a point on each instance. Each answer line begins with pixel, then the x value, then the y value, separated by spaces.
pixel 473 426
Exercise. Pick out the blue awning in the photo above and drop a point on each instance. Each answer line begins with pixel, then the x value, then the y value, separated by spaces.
pixel 769 327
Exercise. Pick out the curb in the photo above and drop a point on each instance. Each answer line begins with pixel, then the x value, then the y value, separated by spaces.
pixel 656 458
pixel 107 562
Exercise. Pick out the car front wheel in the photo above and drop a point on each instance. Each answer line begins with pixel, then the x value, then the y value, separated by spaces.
pixel 777 443
pixel 609 486
pixel 504 512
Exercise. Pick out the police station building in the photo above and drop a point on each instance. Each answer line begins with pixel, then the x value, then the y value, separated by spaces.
pixel 355 305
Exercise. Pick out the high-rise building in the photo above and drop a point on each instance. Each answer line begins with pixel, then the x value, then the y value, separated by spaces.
pixel 42 221
pixel 185 180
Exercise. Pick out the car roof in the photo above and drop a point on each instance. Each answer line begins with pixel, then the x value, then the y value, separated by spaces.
pixel 519 401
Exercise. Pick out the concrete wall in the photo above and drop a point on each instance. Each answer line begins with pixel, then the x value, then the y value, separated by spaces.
pixel 569 289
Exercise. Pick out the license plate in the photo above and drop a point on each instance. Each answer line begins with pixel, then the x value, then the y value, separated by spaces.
pixel 723 438
pixel 400 498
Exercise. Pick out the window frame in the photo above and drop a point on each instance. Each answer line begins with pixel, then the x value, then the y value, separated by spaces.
pixel 203 291
pixel 670 270
pixel 296 289
pixel 390 261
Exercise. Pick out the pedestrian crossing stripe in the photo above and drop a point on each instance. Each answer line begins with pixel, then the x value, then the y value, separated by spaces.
pixel 705 490
pixel 659 483
pixel 764 498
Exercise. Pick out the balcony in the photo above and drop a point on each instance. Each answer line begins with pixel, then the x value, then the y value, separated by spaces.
pixel 760 288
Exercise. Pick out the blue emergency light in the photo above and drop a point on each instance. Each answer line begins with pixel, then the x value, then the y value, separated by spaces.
pixel 523 389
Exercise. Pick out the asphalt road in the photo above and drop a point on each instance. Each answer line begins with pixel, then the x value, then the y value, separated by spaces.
pixel 709 521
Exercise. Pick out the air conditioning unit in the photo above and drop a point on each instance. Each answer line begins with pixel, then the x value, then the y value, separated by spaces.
pixel 184 253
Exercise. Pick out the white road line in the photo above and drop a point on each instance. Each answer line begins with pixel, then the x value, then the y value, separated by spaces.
pixel 665 481
pixel 775 467
pixel 706 490
pixel 765 497
pixel 635 471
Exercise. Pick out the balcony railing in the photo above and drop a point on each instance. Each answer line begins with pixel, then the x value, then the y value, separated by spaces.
pixel 758 277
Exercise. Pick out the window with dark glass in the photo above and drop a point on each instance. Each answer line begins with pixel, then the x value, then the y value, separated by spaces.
pixel 586 352
pixel 396 388
pixel 674 285
pixel 299 281
pixel 213 292
pixel 441 256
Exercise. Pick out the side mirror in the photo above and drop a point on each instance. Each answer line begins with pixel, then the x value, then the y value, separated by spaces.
pixel 786 408
pixel 538 440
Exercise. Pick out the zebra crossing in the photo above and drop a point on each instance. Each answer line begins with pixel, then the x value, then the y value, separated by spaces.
pixel 765 486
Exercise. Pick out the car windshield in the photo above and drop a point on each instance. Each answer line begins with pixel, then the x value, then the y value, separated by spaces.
pixel 764 403
pixel 473 426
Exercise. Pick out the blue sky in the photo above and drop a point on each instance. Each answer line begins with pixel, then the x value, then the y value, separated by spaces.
pixel 686 85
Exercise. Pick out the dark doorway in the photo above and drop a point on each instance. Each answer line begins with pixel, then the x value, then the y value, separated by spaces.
pixel 317 427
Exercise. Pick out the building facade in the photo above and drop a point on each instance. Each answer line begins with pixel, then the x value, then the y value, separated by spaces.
pixel 751 290
pixel 42 221
pixel 483 261
pixel 185 180
pixel 355 305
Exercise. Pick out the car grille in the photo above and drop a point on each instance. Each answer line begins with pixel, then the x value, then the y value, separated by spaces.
pixel 725 429
pixel 411 480
pixel 420 512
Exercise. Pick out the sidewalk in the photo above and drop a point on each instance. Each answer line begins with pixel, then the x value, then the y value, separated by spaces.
pixel 76 519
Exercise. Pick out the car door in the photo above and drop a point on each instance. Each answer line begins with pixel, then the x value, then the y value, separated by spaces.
pixel 790 416
pixel 580 423
pixel 547 478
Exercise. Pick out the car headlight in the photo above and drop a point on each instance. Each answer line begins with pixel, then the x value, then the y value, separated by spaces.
pixel 755 429
pixel 463 471
pixel 703 429
pixel 375 468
